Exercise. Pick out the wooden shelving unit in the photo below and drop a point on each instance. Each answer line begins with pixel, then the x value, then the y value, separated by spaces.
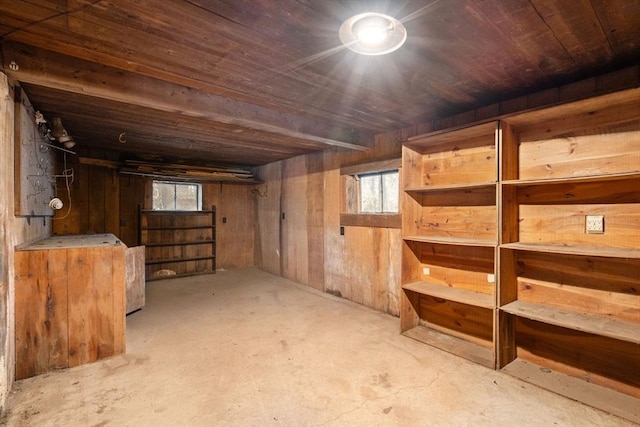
pixel 568 300
pixel 564 312
pixel 178 242
pixel 450 237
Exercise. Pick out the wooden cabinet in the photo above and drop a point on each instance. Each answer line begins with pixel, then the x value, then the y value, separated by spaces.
pixel 178 243
pixel 70 302
pixel 450 236
pixel 565 311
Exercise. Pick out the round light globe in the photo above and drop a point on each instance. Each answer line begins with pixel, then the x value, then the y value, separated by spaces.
pixel 372 33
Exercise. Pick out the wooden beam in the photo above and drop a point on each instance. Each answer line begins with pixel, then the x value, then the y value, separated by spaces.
pixel 109 164
pixel 371 166
pixel 45 68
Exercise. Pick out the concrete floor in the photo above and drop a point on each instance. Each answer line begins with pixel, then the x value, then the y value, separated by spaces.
pixel 245 348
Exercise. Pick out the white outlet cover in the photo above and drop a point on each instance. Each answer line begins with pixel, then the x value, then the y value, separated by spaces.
pixel 491 278
pixel 426 271
pixel 594 224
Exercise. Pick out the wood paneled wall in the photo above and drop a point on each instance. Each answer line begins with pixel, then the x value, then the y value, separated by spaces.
pixel 235 211
pixel 305 245
pixel 13 231
pixel 364 265
pixel 267 218
pixel 94 202
pixel 104 201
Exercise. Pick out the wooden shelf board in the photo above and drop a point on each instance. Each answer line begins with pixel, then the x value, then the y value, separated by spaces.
pixel 575 250
pixel 463 296
pixel 157 212
pixel 176 260
pixel 179 227
pixel 457 346
pixel 600 397
pixel 451 135
pixel 452 187
pixel 201 242
pixel 598 325
pixel 452 241
pixel 585 179
pixel 176 276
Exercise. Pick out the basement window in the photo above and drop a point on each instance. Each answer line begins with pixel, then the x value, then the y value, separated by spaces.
pixel 370 194
pixel 379 192
pixel 176 196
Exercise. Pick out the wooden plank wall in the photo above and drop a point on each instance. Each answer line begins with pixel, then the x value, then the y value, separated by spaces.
pixel 295 237
pixel 13 231
pixel 306 246
pixel 364 265
pixel 104 201
pixel 95 201
pixel 235 237
pixel 267 218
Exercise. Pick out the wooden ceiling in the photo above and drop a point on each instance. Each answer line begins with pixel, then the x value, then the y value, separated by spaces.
pixel 248 82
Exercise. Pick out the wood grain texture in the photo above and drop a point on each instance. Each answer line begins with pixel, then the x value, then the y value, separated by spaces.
pixel 600 360
pixel 315 219
pixel 266 69
pixel 135 279
pixel 130 195
pixel 602 326
pixel 460 165
pixel 71 303
pixel 120 270
pixel 457 294
pixel 364 264
pixel 179 242
pixel 600 273
pixel 93 330
pixel 268 252
pixel 564 225
pixel 612 401
pixel 294 229
pixel 475 352
pixel 574 156
pixel 236 237
pixel 463 267
pixel 41 317
pixel 94 206
pixel 464 321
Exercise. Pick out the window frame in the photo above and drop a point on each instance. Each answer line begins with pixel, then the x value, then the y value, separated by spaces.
pixel 350 204
pixel 381 175
pixel 175 184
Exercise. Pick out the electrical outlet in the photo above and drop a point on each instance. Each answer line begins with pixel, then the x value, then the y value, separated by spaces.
pixel 426 271
pixel 594 224
pixel 491 278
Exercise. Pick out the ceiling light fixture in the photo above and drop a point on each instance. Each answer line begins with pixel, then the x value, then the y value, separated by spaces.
pixel 60 133
pixel 372 33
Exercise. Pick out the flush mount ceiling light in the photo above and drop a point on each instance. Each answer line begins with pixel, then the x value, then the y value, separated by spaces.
pixel 372 33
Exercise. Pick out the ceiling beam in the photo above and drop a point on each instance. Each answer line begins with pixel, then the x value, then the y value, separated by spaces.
pixel 49 69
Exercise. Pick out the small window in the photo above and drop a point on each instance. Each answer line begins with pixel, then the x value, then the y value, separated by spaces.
pixel 379 192
pixel 370 194
pixel 176 196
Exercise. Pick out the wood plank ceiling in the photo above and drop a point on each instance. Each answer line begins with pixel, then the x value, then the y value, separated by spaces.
pixel 248 82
